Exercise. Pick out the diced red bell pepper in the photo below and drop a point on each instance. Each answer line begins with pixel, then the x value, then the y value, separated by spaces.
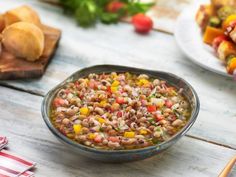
pixel 98 139
pixel 159 117
pixel 114 139
pixel 109 89
pixel 151 108
pixel 119 114
pixel 93 84
pixel 76 84
pixel 120 100
pixel 67 91
pixel 168 103
pixel 58 102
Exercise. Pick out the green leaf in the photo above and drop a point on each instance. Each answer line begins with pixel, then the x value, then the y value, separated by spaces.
pixel 137 7
pixel 108 18
pixel 70 5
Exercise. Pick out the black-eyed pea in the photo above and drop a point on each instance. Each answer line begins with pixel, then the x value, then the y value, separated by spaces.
pixel 166 114
pixel 85 130
pixel 168 110
pixel 156 82
pixel 128 141
pixel 113 144
pixel 152 127
pixel 72 110
pixel 133 126
pixel 99 110
pixel 115 107
pixel 157 134
pixel 62 94
pixel 109 127
pixel 90 108
pixel 105 141
pixel 142 119
pixel 164 122
pixel 177 123
pixel 139 136
pixel 104 87
pixel 112 132
pixel 65 121
pixel 88 143
pixel 143 97
pixel 81 137
pixel 81 117
pixel 139 114
pixel 143 76
pixel 61 116
pixel 85 123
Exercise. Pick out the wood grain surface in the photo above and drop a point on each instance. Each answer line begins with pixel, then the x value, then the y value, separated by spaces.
pixel 28 135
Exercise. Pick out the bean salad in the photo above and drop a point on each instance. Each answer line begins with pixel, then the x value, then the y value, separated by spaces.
pixel 119 111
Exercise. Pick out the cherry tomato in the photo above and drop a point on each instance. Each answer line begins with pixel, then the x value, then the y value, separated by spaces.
pixel 217 41
pixel 58 102
pixel 142 23
pixel 115 6
pixel 151 108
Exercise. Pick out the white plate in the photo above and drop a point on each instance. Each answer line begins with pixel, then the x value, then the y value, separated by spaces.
pixel 189 38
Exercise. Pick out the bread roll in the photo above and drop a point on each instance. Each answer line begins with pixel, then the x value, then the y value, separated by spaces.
pixel 22 13
pixel 24 40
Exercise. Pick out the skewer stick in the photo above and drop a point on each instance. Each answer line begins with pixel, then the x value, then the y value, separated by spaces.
pixel 228 168
pixel 234 75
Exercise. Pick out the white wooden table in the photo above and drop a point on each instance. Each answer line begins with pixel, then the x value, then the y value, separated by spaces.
pixel 205 150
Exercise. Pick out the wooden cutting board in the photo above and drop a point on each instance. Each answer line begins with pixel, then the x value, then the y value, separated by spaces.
pixel 12 67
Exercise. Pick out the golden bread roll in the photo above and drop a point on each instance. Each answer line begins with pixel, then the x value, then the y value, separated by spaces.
pixel 24 40
pixel 2 23
pixel 22 13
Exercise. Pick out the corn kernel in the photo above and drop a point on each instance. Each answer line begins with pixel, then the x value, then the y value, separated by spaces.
pixel 77 128
pixel 101 120
pixel 114 75
pixel 115 83
pixel 84 111
pixel 160 103
pixel 143 132
pixel 114 89
pixel 103 103
pixel 129 134
pixel 91 136
pixel 143 82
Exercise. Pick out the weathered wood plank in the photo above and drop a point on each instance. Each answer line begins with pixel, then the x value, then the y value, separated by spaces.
pixel 21 122
pixel 117 44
